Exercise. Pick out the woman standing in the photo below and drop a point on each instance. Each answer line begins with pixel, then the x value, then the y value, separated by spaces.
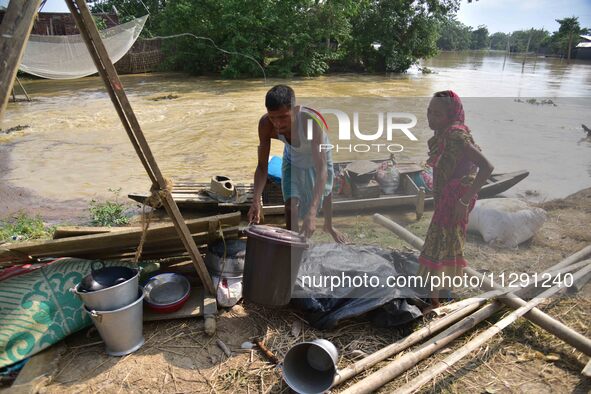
pixel 459 171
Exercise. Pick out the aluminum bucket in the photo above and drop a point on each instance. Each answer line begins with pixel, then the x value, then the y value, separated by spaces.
pixel 310 367
pixel 110 298
pixel 121 329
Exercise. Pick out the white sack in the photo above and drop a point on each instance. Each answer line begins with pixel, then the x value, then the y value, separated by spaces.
pixel 505 222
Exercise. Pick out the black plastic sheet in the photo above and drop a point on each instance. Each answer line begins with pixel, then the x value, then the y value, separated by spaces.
pixel 326 306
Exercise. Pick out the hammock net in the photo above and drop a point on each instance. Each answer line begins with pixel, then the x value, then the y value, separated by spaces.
pixel 67 57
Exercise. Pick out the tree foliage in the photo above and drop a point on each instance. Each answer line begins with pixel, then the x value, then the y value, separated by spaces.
pixel 567 36
pixel 291 37
pixel 454 35
pixel 535 37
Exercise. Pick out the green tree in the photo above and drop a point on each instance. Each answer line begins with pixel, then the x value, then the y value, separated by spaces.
pixel 535 37
pixel 480 39
pixel 127 10
pixel 568 31
pixel 454 35
pixel 309 35
pixel 391 35
pixel 235 38
pixel 498 41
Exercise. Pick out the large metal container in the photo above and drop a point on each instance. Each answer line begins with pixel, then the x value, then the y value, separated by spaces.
pixel 121 329
pixel 226 259
pixel 273 257
pixel 113 297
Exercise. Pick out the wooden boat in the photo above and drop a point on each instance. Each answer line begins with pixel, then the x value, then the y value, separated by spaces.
pixel 191 195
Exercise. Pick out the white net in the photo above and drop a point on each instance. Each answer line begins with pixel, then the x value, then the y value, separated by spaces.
pixel 67 57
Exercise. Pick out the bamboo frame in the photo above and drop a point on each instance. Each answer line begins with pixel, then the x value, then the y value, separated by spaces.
pixel 90 34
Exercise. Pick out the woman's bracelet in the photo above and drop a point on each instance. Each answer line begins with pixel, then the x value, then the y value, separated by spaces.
pixel 463 203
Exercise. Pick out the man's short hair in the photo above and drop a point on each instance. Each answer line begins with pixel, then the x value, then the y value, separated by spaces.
pixel 279 96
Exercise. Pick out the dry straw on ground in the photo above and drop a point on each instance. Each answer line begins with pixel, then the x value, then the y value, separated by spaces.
pixel 179 357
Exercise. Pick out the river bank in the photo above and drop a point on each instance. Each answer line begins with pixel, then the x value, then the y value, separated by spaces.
pixel 179 357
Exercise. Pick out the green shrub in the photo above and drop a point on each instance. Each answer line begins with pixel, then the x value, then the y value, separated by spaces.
pixel 108 213
pixel 24 227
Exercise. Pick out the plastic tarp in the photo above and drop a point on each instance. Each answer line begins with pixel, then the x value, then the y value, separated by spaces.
pixel 385 306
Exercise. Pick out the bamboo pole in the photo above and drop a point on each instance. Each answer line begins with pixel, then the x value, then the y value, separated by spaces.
pixel 457 309
pixel 14 33
pixel 523 291
pixel 477 342
pixel 410 359
pixel 412 339
pixel 535 315
pixel 98 52
pixel 23 89
pixel 508 50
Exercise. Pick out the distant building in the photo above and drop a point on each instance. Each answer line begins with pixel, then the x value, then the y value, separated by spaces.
pixel 583 49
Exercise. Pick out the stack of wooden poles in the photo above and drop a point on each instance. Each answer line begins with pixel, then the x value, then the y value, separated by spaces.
pixel 161 241
pixel 463 316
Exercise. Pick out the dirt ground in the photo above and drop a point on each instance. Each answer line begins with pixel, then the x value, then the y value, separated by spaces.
pixel 179 358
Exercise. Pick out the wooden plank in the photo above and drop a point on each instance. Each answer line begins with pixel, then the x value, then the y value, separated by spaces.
pixel 123 238
pixel 407 168
pixel 14 33
pixel 107 71
pixel 192 308
pixel 165 249
pixel 75 231
pixel 162 246
pixel 10 257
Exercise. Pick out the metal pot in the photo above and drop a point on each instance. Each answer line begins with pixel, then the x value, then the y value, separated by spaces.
pixel 104 277
pixel 116 296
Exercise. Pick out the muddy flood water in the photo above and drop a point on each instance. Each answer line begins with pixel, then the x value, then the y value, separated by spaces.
pixel 76 149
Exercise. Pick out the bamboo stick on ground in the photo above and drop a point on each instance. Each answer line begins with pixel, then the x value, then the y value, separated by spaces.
pixel 521 292
pixel 457 309
pixel 410 359
pixel 435 326
pixel 481 339
pixel 541 319
pixel 412 339
pixel 535 315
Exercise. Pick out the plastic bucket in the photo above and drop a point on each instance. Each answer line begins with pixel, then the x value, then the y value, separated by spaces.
pixel 273 257
pixel 121 329
pixel 110 298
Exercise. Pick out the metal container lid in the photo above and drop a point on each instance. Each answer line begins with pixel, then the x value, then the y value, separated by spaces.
pixel 277 235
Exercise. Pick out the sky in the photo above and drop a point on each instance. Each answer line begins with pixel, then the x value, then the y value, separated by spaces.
pixel 497 15
pixel 511 15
